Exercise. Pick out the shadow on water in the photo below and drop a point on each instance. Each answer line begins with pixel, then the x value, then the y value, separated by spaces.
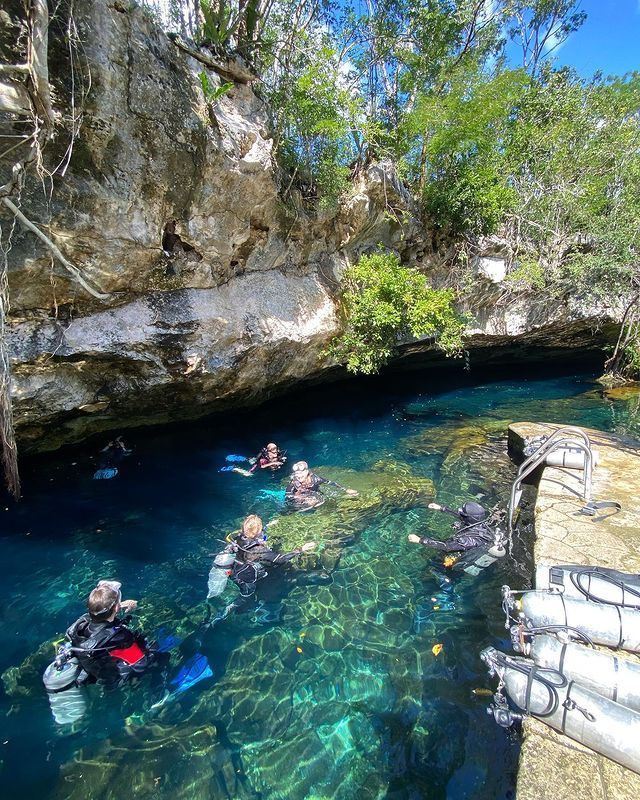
pixel 352 674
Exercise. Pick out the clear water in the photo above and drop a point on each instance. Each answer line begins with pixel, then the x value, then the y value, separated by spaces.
pixel 328 687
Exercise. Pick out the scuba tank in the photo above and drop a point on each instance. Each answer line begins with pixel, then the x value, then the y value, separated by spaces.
pixel 219 574
pixel 585 716
pixel 603 624
pixel 610 676
pixel 474 561
pixel 67 700
pixel 599 584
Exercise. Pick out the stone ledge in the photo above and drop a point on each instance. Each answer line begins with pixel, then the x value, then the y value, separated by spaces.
pixel 553 766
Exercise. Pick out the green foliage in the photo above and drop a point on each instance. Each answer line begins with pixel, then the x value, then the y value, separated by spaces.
pixel 213 94
pixel 573 157
pixel 527 274
pixel 466 187
pixel 383 302
pixel 316 120
pixel 218 24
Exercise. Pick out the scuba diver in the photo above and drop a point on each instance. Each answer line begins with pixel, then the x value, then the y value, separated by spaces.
pixel 270 457
pixel 110 456
pixel 303 491
pixel 99 648
pixel 477 542
pixel 243 562
pixel 105 648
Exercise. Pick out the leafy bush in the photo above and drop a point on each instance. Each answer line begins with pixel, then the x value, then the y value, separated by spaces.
pixel 384 301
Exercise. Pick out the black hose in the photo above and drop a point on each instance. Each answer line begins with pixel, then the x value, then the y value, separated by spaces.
pixel 546 628
pixel 576 580
pixel 551 687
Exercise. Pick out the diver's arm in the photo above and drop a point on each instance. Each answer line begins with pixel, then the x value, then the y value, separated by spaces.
pixel 351 492
pixel 444 509
pixel 448 546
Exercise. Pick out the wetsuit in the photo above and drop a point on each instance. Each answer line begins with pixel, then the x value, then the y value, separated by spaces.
pixel 251 555
pixel 299 492
pixel 467 534
pixel 263 460
pixel 109 652
pixel 248 569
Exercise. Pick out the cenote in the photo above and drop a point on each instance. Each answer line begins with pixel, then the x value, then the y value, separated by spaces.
pixel 329 686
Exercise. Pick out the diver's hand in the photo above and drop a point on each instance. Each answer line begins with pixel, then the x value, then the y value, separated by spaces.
pixel 351 492
pixel 308 546
pixel 129 605
pixel 435 506
pixel 413 538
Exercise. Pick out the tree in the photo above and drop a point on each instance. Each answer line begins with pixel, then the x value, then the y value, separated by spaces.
pixel 384 302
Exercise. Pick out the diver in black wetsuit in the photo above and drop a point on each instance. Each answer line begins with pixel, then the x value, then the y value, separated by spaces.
pixel 303 490
pixel 106 649
pixel 471 529
pixel 251 554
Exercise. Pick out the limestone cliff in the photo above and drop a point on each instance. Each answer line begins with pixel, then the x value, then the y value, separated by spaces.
pixel 219 293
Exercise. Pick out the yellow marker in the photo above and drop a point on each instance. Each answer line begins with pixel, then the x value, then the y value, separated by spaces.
pixel 437 649
pixel 299 649
pixel 449 561
pixel 302 635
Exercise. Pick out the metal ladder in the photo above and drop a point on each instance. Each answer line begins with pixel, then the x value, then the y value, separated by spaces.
pixel 560 438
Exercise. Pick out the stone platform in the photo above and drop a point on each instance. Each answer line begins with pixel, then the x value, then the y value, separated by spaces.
pixel 553 767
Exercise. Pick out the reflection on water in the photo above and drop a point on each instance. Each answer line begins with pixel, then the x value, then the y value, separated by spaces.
pixel 352 674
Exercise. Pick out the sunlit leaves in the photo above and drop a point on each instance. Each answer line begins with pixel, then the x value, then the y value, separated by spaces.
pixel 384 302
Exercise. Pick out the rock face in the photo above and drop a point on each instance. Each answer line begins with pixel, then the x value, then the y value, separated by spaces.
pixel 219 293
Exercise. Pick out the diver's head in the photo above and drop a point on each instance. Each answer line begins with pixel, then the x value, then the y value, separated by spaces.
pixel 252 527
pixel 272 449
pixel 104 601
pixel 300 469
pixel 472 513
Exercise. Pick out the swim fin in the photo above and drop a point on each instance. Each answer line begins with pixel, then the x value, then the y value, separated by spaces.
pixel 105 474
pixel 226 469
pixel 233 457
pixel 194 670
pixel 167 641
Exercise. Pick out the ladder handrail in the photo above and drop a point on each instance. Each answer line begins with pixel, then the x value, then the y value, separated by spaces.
pixel 544 447
pixel 537 458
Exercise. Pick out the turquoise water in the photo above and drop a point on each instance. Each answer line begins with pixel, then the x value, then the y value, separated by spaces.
pixel 329 686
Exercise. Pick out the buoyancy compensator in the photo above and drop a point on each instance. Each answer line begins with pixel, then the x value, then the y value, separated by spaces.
pixel 479 558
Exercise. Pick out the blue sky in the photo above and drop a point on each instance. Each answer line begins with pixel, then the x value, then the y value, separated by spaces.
pixel 609 39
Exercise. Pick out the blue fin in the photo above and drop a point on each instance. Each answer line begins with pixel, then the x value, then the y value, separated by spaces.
pixel 233 457
pixel 194 670
pixel 105 474
pixel 226 469
pixel 167 641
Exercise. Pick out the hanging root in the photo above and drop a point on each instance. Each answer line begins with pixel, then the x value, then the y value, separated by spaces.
pixel 75 272
pixel 7 432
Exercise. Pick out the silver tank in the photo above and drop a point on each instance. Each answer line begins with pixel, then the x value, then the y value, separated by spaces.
pixel 609 675
pixel 218 575
pixel 583 715
pixel 67 701
pixel 594 583
pixel 603 624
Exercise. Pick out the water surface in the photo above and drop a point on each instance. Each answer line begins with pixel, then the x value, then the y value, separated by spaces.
pixel 328 687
